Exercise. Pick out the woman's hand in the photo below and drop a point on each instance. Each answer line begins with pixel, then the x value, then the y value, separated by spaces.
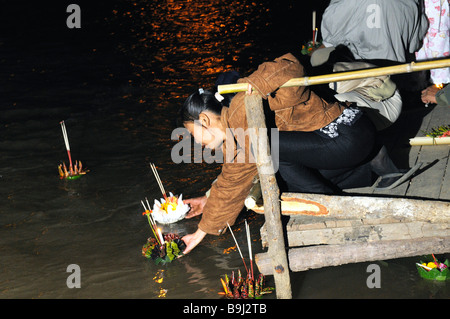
pixel 196 204
pixel 192 240
pixel 429 94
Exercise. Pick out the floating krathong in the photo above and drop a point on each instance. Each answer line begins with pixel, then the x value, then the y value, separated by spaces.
pixel 238 288
pixel 161 248
pixel 74 171
pixel 171 249
pixel 169 209
pixel 309 47
pixel 433 269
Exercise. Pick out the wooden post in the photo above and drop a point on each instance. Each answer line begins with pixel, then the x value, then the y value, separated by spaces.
pixel 271 192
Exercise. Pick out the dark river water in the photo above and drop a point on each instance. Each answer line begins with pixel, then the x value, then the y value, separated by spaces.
pixel 118 83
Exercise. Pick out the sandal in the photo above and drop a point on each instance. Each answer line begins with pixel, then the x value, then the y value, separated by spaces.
pixel 391 181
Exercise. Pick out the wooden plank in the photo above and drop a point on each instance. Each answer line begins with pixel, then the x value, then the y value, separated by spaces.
pixel 428 184
pixel 357 207
pixel 365 207
pixel 365 233
pixel 301 259
pixel 344 232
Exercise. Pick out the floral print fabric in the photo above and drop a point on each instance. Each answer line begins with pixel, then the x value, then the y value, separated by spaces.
pixel 348 117
pixel 436 43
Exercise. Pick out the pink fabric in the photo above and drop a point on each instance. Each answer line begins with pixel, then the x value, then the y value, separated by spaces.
pixel 436 43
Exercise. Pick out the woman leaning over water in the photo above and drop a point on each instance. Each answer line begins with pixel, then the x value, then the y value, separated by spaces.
pixel 323 146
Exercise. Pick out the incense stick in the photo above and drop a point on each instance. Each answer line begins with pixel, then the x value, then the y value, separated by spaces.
pixel 66 141
pixel 151 222
pixel 247 229
pixel 237 245
pixel 314 27
pixel 425 267
pixel 158 179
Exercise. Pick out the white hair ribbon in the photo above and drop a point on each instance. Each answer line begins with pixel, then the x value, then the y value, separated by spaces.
pixel 219 97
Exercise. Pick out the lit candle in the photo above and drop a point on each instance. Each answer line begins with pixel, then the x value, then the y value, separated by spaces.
pixel 160 236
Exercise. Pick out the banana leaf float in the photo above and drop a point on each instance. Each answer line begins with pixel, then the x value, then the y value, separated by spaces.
pixel 431 269
pixel 74 172
pixel 170 249
pixel 239 288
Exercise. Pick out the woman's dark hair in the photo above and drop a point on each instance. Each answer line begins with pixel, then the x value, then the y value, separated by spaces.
pixel 204 100
pixel 197 103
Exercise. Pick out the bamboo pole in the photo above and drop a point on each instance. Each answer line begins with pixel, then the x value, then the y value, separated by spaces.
pixel 346 76
pixel 271 193
pixel 425 140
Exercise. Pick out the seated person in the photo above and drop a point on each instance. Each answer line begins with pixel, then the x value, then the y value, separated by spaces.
pixel 373 29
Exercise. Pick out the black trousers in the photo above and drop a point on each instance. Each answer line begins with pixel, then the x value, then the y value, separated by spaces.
pixel 311 163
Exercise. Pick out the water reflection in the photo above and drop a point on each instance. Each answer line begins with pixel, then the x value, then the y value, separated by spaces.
pixel 185 41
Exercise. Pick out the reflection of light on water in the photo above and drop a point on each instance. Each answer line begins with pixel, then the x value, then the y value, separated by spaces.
pixel 162 293
pixel 159 278
pixel 185 40
pixel 228 250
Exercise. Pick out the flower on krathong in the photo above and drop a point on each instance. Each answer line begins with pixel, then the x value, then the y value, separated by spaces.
pixel 169 209
pixel 147 212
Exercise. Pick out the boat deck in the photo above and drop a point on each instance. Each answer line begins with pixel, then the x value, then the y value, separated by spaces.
pixel 432 181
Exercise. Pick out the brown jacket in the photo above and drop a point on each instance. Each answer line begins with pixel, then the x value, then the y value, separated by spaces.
pixel 296 109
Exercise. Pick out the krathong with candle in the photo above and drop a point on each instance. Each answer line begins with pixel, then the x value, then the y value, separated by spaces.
pixel 168 209
pixel 432 269
pixel 239 288
pixel 74 171
pixel 162 248
pixel 310 46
